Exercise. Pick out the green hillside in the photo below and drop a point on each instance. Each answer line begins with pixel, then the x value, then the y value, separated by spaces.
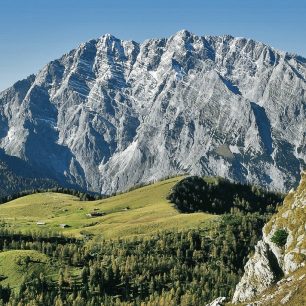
pixel 139 212
pixel 140 248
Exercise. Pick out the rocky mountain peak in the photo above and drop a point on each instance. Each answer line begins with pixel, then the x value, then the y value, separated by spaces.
pixel 114 113
pixel 182 35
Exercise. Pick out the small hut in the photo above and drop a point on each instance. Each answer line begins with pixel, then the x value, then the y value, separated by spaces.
pixel 40 223
pixel 95 214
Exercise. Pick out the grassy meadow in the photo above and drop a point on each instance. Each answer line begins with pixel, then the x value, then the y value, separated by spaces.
pixel 142 211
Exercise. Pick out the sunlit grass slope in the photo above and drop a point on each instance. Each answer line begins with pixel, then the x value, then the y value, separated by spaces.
pixel 139 212
pixel 16 264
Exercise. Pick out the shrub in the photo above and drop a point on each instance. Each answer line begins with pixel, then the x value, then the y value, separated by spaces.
pixel 280 237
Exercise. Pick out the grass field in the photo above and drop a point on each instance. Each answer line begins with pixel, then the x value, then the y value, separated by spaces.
pixel 16 264
pixel 139 212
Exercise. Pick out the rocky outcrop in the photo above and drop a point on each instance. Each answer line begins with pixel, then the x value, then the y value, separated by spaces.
pixel 220 301
pixel 114 113
pixel 259 274
pixel 288 291
pixel 273 263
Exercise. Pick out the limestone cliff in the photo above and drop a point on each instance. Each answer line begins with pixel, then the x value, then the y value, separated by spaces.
pixel 275 274
pixel 112 113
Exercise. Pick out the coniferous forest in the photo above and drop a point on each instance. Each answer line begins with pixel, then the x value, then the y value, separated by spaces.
pixel 175 268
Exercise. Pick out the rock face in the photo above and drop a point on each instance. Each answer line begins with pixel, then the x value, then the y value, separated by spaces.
pixel 217 302
pixel 114 113
pixel 271 262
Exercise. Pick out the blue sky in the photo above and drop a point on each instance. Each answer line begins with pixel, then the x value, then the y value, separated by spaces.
pixel 33 32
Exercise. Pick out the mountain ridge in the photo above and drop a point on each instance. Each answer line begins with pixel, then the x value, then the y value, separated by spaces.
pixel 112 113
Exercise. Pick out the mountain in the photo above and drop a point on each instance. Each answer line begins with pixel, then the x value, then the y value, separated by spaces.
pixel 112 113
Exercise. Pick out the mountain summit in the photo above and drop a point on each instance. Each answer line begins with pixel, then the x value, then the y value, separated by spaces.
pixel 114 113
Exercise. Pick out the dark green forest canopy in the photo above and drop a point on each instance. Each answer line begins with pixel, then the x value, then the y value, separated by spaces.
pixel 221 196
